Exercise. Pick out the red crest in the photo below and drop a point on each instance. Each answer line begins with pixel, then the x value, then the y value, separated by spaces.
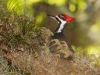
pixel 68 18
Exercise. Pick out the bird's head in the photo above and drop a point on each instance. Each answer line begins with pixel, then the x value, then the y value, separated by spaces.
pixel 62 17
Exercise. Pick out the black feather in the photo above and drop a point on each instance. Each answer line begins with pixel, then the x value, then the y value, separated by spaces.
pixel 60 36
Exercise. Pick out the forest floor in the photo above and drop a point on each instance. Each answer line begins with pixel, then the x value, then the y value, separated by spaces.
pixel 21 60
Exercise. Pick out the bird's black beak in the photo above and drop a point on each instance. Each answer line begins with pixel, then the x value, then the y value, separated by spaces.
pixel 51 16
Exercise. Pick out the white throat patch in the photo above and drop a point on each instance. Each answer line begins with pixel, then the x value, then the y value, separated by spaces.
pixel 61 25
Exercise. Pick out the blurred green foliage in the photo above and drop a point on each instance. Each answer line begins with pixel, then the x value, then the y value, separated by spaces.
pixel 20 6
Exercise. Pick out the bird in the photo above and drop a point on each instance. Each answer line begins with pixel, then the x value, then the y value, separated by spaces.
pixel 63 20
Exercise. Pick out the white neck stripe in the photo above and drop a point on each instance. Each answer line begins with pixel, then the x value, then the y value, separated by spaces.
pixel 62 25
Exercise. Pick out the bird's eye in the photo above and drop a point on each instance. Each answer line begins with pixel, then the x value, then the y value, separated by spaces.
pixel 61 17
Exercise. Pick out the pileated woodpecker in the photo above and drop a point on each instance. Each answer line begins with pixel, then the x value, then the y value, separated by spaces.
pixel 62 20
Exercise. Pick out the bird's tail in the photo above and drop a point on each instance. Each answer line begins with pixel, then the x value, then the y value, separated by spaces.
pixel 70 48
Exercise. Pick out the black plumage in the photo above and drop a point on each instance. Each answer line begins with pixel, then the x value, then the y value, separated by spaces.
pixel 61 37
